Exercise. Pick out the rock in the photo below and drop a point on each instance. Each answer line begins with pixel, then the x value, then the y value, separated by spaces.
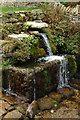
pixel 34 24
pixel 75 83
pixel 18 36
pixel 69 104
pixel 46 103
pixel 1 94
pixel 2 112
pixel 13 114
pixel 22 15
pixel 56 96
pixel 32 109
pixel 9 100
pixel 21 109
pixel 22 79
pixel 2 107
pixel 34 33
pixel 66 92
pixel 13 20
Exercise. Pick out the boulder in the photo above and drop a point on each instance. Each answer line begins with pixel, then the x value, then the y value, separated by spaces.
pixel 66 92
pixel 13 114
pixel 34 24
pixel 56 96
pixel 32 109
pixel 46 103
pixel 22 79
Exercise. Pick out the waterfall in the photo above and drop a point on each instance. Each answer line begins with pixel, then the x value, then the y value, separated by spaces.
pixel 8 91
pixel 47 43
pixel 34 84
pixel 63 74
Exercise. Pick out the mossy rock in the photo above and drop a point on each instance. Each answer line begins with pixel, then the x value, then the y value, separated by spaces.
pixel 54 49
pixel 40 52
pixel 72 65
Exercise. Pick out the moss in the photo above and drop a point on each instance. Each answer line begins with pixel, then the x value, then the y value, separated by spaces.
pixel 72 65
pixel 54 50
pixel 40 52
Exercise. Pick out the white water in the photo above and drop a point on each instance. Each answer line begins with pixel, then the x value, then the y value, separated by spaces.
pixel 34 82
pixel 47 43
pixel 63 74
pixel 8 91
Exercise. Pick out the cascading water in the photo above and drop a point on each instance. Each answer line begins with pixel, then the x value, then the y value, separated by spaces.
pixel 63 70
pixel 46 43
pixel 34 82
pixel 63 73
pixel 8 91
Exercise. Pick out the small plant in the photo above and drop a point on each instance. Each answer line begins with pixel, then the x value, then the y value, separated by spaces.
pixel 6 63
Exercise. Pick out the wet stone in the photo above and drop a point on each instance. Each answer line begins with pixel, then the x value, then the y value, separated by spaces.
pixel 21 109
pixel 3 107
pixel 13 114
pixel 56 96
pixel 46 103
pixel 66 92
pixel 1 95
pixel 10 100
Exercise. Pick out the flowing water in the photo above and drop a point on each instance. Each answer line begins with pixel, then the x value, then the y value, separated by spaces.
pixel 47 43
pixel 34 82
pixel 63 74
pixel 8 92
pixel 63 69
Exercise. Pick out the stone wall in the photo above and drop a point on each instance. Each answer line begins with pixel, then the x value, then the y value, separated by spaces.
pixel 22 80
pixel 14 22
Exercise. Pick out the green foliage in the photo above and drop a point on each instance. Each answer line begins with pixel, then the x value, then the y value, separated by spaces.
pixel 72 44
pixel 26 26
pixel 59 40
pixel 21 51
pixel 72 65
pixel 6 63
pixel 62 33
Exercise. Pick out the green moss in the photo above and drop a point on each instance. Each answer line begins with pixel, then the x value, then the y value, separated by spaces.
pixel 54 50
pixel 40 52
pixel 72 65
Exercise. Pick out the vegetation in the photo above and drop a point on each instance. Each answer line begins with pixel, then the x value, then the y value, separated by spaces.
pixel 21 51
pixel 61 32
pixel 72 65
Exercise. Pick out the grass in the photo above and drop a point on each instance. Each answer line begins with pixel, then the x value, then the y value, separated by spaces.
pixel 14 9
